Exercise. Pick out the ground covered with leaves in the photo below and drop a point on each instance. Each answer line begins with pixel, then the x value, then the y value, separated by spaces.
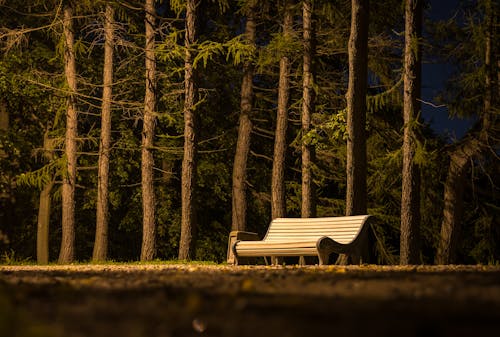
pixel 218 300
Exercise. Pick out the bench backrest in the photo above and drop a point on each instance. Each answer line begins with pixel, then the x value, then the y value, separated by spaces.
pixel 341 229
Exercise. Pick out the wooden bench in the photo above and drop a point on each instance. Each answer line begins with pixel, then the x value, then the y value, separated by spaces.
pixel 305 237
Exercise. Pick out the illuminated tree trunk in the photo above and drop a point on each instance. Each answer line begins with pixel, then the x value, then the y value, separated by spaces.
pixel 66 254
pixel 188 219
pixel 100 252
pixel 278 193
pixel 410 199
pixel 239 198
pixel 356 113
pixel 308 208
pixel 356 109
pixel 147 160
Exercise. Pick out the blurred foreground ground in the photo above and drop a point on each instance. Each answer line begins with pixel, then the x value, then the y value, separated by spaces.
pixel 208 300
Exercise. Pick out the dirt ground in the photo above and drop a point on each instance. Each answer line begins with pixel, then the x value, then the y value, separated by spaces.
pixel 217 300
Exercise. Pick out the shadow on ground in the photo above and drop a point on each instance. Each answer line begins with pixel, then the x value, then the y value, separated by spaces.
pixel 197 300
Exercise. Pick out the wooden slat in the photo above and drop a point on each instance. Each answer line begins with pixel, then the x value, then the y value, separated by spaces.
pixel 299 236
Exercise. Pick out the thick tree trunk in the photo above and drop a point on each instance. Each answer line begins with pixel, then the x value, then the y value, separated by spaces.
pixel 308 208
pixel 188 219
pixel 100 252
pixel 278 193
pixel 410 199
pixel 462 154
pixel 66 254
pixel 239 198
pixel 453 207
pixel 356 109
pixel 147 160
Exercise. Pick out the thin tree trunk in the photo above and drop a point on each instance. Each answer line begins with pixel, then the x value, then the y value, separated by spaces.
pixel 356 109
pixel 356 113
pixel 410 198
pixel 147 160
pixel 278 193
pixel 4 116
pixel 461 157
pixel 66 254
pixel 239 197
pixel 100 252
pixel 43 220
pixel 308 208
pixel 188 220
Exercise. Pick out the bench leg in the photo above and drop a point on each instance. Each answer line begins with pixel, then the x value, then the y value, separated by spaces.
pixel 276 260
pixel 302 261
pixel 323 258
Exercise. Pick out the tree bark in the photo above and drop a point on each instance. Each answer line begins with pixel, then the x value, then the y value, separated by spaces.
pixel 462 154
pixel 66 254
pixel 356 109
pixel 410 198
pixel 147 160
pixel 188 219
pixel 4 116
pixel 100 252
pixel 43 220
pixel 308 207
pixel 239 198
pixel 278 189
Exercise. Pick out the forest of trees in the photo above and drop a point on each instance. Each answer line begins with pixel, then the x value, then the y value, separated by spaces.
pixel 140 130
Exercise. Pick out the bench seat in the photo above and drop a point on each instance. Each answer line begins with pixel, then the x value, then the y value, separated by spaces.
pixel 308 237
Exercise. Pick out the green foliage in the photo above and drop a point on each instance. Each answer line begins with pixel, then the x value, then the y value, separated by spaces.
pixel 206 51
pixel 239 50
pixel 32 87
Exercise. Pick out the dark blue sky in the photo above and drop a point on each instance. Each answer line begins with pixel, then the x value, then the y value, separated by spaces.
pixel 434 76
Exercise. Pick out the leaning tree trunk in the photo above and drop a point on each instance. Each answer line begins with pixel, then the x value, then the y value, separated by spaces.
pixel 147 160
pixel 239 198
pixel 410 198
pixel 462 155
pixel 308 208
pixel 356 109
pixel 66 254
pixel 278 195
pixel 100 252
pixel 188 218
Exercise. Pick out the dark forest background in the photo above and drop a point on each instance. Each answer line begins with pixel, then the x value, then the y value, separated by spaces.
pixel 34 95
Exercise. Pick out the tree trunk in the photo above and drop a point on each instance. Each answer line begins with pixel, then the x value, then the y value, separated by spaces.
pixel 356 109
pixel 239 198
pixel 100 252
pixel 278 193
pixel 147 160
pixel 66 254
pixel 4 116
pixel 453 207
pixel 43 220
pixel 308 208
pixel 410 199
pixel 356 113
pixel 188 220
pixel 461 156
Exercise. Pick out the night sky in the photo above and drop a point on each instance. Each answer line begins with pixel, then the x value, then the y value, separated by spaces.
pixel 434 76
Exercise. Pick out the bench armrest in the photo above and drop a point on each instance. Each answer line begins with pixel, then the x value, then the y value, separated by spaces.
pixel 238 236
